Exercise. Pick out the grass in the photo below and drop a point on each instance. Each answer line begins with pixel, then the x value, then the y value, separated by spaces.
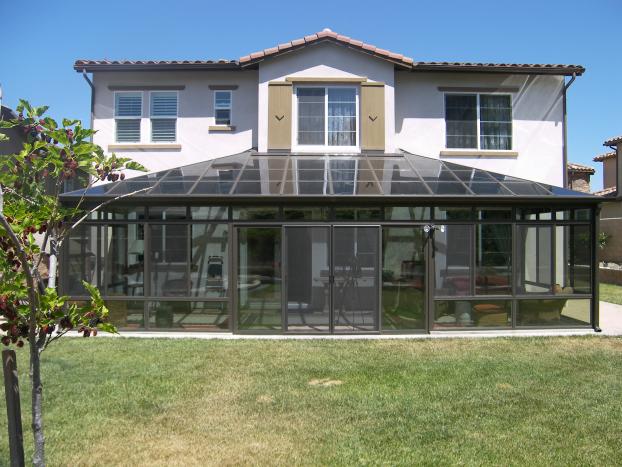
pixel 521 401
pixel 610 293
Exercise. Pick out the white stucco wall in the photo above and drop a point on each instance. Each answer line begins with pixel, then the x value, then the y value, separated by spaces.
pixel 537 121
pixel 325 60
pixel 195 115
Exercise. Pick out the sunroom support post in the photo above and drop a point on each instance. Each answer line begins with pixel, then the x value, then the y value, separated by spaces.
pixel 596 269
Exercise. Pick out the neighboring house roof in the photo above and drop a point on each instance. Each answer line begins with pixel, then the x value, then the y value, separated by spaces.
pixel 613 141
pixel 326 35
pixel 7 114
pixel 606 192
pixel 605 156
pixel 580 168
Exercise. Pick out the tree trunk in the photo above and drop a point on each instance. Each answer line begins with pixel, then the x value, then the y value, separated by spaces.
pixel 38 458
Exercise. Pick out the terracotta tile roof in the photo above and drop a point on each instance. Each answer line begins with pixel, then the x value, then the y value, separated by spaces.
pixel 579 168
pixel 605 156
pixel 330 36
pixel 82 64
pixel 327 35
pixel 612 141
pixel 606 192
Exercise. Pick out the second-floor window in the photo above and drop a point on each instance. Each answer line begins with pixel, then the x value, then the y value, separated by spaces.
pixel 222 107
pixel 163 113
pixel 478 121
pixel 127 114
pixel 327 116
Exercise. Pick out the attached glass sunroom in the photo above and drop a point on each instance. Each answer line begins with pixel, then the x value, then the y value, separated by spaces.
pixel 286 243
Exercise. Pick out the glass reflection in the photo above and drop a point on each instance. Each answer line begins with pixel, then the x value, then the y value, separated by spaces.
pixel 124 252
pixel 450 314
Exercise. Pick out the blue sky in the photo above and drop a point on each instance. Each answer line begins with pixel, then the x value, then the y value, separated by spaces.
pixel 40 46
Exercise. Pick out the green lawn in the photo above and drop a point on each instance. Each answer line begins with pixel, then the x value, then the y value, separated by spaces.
pixel 610 293
pixel 520 401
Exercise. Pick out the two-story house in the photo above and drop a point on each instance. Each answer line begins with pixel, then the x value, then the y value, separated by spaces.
pixel 326 185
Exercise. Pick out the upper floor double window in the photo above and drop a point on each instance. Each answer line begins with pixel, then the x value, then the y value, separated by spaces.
pixel 128 113
pixel 327 116
pixel 478 121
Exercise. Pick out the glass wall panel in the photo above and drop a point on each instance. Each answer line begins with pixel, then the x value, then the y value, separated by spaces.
pixel 453 214
pixel 169 260
pixel 167 212
pixel 119 213
pixel 255 213
pixel 189 316
pixel 124 252
pixel 494 214
pixel 308 279
pixel 452 258
pixel 535 256
pixel 493 256
pixel 553 312
pixel 305 213
pixel 259 278
pixel 126 314
pixel 355 288
pixel 357 214
pixel 201 213
pixel 406 213
pixel 573 261
pixel 403 278
pixel 85 260
pixel 209 269
pixel 472 313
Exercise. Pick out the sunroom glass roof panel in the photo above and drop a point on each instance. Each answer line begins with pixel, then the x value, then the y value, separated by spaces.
pixel 291 175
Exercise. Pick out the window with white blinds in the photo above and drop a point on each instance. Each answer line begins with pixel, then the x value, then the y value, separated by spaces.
pixel 163 113
pixel 127 113
pixel 222 107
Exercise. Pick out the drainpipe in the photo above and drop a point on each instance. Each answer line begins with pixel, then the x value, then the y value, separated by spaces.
pixel 565 130
pixel 618 150
pixel 88 80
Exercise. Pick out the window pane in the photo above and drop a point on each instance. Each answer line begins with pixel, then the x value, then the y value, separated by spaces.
pixel 535 257
pixel 124 253
pixel 461 121
pixel 167 212
pixel 553 312
pixel 128 130
pixel 259 278
pixel 84 259
pixel 163 129
pixel 223 116
pixel 164 104
pixel 311 114
pixel 126 314
pixel 169 260
pixel 403 278
pixel 357 214
pixel 305 213
pixel 341 116
pixel 198 213
pixel 209 270
pixel 472 313
pixel 452 257
pixel 573 259
pixel 255 213
pixel 495 122
pixel 493 259
pixel 342 174
pixel 190 316
pixel 406 213
pixel 128 104
pixel 222 99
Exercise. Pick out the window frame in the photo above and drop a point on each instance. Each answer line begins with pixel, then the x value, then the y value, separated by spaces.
pixel 230 108
pixel 479 121
pixel 151 118
pixel 125 117
pixel 311 148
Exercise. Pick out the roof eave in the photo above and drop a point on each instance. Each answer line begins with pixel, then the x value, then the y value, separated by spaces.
pixel 90 68
pixel 529 70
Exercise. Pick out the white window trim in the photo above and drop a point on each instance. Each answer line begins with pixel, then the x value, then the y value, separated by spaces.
pixel 163 118
pixel 230 107
pixel 140 118
pixel 325 147
pixel 477 95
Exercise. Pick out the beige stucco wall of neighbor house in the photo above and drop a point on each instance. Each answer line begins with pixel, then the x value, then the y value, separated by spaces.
pixel 195 116
pixel 537 121
pixel 609 172
pixel 611 223
pixel 325 60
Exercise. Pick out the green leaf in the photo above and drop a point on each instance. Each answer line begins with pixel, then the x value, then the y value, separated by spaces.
pixel 133 165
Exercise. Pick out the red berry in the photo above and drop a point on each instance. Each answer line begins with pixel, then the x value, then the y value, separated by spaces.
pixel 20 344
